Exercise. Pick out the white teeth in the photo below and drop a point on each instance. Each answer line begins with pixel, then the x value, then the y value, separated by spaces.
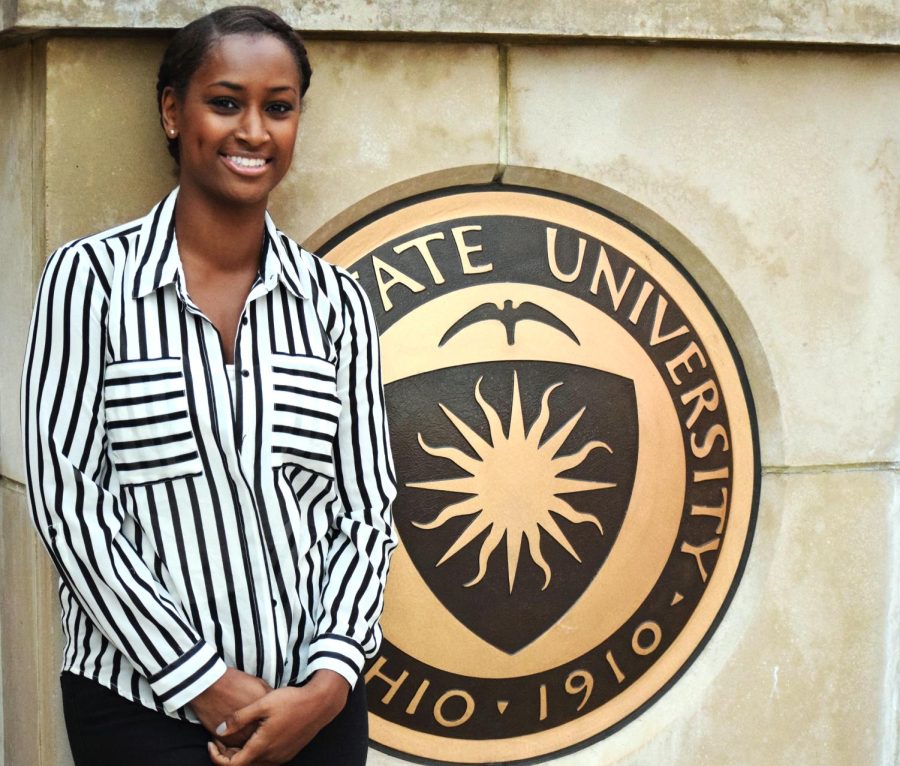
pixel 247 162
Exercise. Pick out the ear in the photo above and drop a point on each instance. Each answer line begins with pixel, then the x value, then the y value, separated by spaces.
pixel 169 112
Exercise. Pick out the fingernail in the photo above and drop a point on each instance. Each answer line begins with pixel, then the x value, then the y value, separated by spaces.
pixel 221 728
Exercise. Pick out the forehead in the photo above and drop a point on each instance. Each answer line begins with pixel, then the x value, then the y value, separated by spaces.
pixel 247 59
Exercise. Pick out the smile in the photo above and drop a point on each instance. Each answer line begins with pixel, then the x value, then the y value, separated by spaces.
pixel 245 162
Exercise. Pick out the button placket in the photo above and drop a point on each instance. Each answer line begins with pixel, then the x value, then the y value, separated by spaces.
pixel 247 402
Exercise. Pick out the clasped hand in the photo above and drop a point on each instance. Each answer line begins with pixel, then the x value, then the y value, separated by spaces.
pixel 255 725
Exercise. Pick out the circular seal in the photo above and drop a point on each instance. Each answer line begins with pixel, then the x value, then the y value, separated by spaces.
pixel 577 460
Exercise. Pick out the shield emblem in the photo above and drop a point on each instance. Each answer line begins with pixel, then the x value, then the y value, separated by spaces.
pixel 515 478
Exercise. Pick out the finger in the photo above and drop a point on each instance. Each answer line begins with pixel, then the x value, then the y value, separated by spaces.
pixel 253 753
pixel 244 757
pixel 224 749
pixel 238 738
pixel 216 756
pixel 246 716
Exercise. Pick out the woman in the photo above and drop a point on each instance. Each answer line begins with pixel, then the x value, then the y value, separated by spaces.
pixel 206 447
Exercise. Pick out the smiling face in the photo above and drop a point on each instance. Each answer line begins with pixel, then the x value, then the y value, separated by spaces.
pixel 237 121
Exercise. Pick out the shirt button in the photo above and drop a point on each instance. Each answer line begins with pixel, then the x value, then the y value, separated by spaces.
pixel 244 321
pixel 274 602
pixel 245 373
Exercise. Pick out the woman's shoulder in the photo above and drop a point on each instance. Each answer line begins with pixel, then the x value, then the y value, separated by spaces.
pixel 96 253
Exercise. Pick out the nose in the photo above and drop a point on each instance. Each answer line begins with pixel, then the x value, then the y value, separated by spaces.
pixel 252 129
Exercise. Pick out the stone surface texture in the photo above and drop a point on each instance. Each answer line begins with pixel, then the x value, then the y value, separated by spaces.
pixel 853 21
pixel 7 13
pixel 782 169
pixel 32 647
pixel 106 156
pixel 17 192
pixel 777 169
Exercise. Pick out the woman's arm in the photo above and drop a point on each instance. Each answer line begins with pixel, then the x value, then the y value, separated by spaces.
pixel 356 568
pixel 73 491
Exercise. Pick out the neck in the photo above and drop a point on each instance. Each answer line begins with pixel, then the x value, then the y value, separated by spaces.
pixel 217 237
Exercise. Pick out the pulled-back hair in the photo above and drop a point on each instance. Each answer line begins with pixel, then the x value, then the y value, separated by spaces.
pixel 189 46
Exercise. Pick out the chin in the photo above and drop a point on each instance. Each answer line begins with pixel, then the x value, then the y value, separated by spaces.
pixel 245 194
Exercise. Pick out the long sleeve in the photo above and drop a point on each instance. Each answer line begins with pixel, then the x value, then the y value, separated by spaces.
pixel 74 493
pixel 363 537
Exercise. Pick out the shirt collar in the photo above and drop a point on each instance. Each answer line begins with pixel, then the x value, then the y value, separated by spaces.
pixel 158 264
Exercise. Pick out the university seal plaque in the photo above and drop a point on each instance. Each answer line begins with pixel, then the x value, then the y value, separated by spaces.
pixel 576 452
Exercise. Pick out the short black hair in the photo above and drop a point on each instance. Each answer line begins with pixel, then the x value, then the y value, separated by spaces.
pixel 189 46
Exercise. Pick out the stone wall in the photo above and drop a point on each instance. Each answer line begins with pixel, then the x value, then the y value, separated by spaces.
pixel 863 22
pixel 780 165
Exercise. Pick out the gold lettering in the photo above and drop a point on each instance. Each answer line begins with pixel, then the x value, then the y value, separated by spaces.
pixel 413 706
pixel 655 336
pixel 452 722
pixel 394 684
pixel 717 511
pixel 396 277
pixel 656 636
pixel 580 682
pixel 684 360
pixel 421 244
pixel 465 250
pixel 697 552
pixel 705 447
pixel 604 269
pixel 554 264
pixel 543 713
pixel 614 666
pixel 639 304
pixel 705 397
pixel 715 474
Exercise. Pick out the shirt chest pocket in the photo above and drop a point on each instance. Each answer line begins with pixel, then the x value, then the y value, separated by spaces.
pixel 148 423
pixel 305 412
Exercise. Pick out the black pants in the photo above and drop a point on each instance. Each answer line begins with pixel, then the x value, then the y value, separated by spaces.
pixel 108 730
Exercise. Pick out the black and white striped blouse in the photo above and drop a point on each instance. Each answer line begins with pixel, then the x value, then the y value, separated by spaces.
pixel 194 525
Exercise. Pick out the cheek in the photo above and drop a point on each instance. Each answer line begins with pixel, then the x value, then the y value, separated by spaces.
pixel 287 139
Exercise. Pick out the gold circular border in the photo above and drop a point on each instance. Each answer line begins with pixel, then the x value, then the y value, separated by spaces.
pixel 744 459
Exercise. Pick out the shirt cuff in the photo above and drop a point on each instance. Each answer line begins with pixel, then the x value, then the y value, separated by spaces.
pixel 192 673
pixel 338 653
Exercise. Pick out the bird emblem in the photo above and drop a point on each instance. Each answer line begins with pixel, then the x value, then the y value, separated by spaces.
pixel 509 316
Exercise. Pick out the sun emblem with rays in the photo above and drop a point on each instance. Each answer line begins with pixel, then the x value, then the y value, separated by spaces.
pixel 515 482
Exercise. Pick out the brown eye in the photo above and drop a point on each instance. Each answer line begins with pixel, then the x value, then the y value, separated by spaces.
pixel 223 103
pixel 281 107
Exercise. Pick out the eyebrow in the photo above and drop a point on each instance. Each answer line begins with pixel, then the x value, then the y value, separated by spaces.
pixel 236 87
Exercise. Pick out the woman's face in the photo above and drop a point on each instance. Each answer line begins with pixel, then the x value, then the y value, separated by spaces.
pixel 237 123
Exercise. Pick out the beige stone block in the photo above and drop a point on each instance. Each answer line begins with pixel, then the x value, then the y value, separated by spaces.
pixel 16 227
pixel 781 169
pixel 802 668
pixel 106 158
pixel 7 14
pixel 378 114
pixel 31 641
pixel 758 20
